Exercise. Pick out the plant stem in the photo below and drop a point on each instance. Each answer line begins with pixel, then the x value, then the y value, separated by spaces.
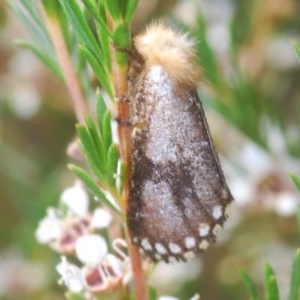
pixel 124 133
pixel 137 270
pixel 72 82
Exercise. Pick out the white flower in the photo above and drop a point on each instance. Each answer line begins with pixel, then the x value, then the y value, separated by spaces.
pixel 254 160
pixel 76 199
pixel 174 275
pixel 25 101
pixel 263 177
pixel 101 218
pixel 91 249
pixel 49 228
pixel 286 204
pixel 71 275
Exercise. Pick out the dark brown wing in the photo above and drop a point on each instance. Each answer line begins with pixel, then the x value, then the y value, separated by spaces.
pixel 178 194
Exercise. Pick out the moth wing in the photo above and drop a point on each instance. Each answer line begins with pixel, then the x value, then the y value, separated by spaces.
pixel 178 194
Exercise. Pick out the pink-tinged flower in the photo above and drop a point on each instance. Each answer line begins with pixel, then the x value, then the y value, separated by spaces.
pixel 91 249
pixel 102 272
pixel 105 276
pixel 71 275
pixel 61 228
pixel 121 249
pixel 113 272
pixel 61 233
pixel 101 219
pixel 72 229
pixel 49 228
pixel 97 279
pixel 264 179
pixel 76 199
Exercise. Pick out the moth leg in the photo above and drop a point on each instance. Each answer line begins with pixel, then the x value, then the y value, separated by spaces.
pixel 125 122
pixel 123 101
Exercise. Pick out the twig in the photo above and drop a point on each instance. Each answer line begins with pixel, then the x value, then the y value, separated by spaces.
pixel 72 83
pixel 124 133
pixel 137 271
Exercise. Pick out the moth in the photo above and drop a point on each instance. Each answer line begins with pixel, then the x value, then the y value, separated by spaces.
pixel 178 196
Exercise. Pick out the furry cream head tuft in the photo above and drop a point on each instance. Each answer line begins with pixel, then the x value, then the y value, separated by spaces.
pixel 160 45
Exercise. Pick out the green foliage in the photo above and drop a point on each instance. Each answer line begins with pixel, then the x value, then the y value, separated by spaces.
pixel 88 26
pixel 237 100
pixel 271 288
pixel 95 141
pixel 121 13
pixel 81 27
pixel 122 43
pixel 51 7
pixel 27 12
pixel 208 59
pixel 270 282
pixel 122 176
pixel 120 10
pixel 152 295
pixel 240 24
pixel 90 183
pixel 129 8
pixel 297 49
pixel 97 146
pixel 113 7
pixel 97 56
pixel 296 181
pixel 249 285
pixel 240 94
pixel 45 59
pixel 89 31
pixel 295 277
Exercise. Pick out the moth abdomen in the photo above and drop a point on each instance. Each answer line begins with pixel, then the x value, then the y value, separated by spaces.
pixel 178 196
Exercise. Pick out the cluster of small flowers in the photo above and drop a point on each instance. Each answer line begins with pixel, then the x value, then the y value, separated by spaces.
pixel 263 177
pixel 77 233
pixel 73 231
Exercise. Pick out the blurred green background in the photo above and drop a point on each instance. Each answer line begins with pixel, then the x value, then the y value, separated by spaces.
pixel 251 92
